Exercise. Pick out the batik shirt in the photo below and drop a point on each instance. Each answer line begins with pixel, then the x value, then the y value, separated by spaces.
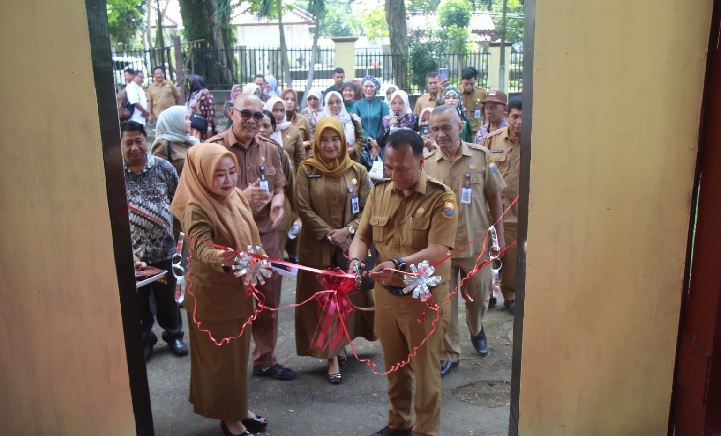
pixel 151 191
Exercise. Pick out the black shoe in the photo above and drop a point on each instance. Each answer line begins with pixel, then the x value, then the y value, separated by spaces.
pixel 510 305
pixel 492 302
pixel 480 343
pixel 227 432
pixel 276 371
pixel 447 366
pixel 256 424
pixel 148 351
pixel 178 347
pixel 335 379
pixel 387 431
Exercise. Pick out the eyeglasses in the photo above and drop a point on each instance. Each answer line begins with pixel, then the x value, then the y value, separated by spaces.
pixel 246 114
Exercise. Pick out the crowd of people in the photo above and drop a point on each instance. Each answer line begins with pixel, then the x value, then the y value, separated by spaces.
pixel 353 181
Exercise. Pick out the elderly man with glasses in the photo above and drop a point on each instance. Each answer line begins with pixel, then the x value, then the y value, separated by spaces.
pixel 261 178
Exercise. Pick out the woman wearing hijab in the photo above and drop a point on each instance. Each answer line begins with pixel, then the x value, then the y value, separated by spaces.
pixel 452 97
pixel 424 120
pixel 333 107
pixel 271 86
pixel 313 110
pixel 172 140
pixel 401 117
pixel 331 191
pixel 214 211
pixel 390 89
pixel 252 89
pixel 285 133
pixel 290 98
pixel 200 102
pixel 371 111
pixel 235 91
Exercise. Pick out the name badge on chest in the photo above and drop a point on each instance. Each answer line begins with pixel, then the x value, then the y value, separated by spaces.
pixel 354 201
pixel 263 181
pixel 466 193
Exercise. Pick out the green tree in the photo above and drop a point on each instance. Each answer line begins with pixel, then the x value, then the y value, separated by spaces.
pixel 374 23
pixel 209 21
pixel 423 6
pixel 274 9
pixel 125 23
pixel 396 19
pixel 454 16
pixel 339 20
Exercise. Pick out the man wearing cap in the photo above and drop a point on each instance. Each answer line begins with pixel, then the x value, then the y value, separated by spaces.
pixel 468 170
pixel 472 97
pixel 505 147
pixel 495 110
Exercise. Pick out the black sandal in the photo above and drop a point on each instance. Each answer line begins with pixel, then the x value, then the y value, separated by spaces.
pixel 255 424
pixel 227 432
pixel 335 379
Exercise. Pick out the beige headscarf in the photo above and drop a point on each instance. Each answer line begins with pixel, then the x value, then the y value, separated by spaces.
pixel 339 165
pixel 231 216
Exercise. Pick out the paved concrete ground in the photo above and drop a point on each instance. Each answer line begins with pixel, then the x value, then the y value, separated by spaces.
pixel 475 395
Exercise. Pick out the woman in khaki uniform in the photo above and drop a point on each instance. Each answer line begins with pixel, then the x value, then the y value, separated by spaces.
pixel 290 138
pixel 331 191
pixel 213 211
pixel 290 98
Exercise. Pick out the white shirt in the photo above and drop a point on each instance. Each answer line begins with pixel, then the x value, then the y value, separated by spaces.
pixel 136 95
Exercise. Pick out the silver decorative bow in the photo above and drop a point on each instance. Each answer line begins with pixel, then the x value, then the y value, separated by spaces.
pixel 253 268
pixel 423 278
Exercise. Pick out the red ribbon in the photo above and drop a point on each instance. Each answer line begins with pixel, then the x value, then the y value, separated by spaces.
pixel 337 306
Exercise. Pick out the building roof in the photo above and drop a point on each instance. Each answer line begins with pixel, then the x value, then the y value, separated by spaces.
pixel 293 16
pixel 481 22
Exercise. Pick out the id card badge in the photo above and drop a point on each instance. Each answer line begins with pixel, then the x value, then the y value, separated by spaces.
pixel 264 185
pixel 466 195
pixel 355 204
pixel 477 114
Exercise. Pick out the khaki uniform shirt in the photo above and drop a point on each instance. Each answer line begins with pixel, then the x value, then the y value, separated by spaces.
pixel 470 168
pixel 400 226
pixel 260 152
pixel 293 145
pixel 423 102
pixel 162 96
pixel 472 103
pixel 507 157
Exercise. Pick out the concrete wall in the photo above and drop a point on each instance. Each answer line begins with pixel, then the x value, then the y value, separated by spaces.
pixel 616 104
pixel 63 362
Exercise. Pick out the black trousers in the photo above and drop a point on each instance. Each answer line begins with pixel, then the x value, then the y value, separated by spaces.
pixel 167 309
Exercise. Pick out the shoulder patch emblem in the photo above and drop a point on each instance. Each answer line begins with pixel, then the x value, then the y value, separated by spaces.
pixel 492 166
pixel 449 209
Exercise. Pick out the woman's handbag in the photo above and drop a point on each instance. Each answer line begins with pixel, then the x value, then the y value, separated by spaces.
pixel 376 171
pixel 198 122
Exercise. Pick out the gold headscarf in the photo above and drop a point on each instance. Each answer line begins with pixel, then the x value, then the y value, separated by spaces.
pixel 340 164
pixel 231 216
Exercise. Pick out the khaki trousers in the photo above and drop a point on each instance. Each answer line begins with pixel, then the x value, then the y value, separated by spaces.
pixel 265 326
pixel 478 287
pixel 510 262
pixel 399 331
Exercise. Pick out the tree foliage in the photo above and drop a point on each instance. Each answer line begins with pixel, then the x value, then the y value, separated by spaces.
pixel 374 22
pixel 454 16
pixel 423 6
pixel 126 23
pixel 339 20
pixel 514 25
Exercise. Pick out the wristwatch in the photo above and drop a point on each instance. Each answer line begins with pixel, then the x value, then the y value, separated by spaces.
pixel 400 263
pixel 351 230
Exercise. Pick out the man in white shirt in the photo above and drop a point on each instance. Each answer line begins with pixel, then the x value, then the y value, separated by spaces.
pixel 137 98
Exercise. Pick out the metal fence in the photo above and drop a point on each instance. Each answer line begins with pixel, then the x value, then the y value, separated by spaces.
pixel 145 61
pixel 223 68
pixel 515 73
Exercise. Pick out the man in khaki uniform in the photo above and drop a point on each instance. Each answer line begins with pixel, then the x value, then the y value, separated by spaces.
pixel 261 178
pixel 162 94
pixel 465 169
pixel 505 147
pixel 472 97
pixel 429 99
pixel 410 217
